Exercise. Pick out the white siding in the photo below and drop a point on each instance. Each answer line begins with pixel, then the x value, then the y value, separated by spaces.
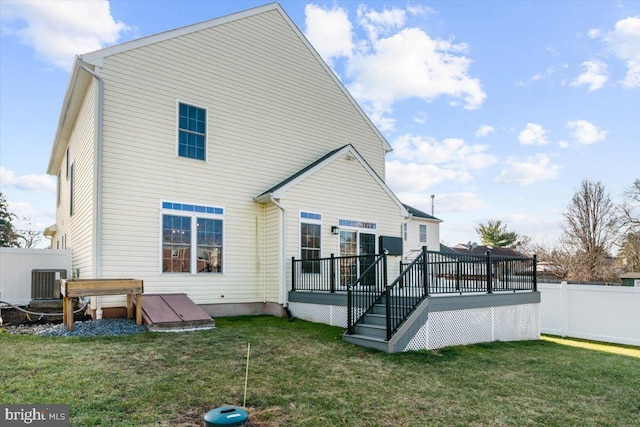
pixel 272 110
pixel 343 189
pixel 413 244
pixel 76 231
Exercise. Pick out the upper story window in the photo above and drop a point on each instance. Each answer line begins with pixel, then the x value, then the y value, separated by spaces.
pixel 192 135
pixel 423 233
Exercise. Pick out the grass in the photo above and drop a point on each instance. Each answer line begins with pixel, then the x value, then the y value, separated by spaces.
pixel 303 374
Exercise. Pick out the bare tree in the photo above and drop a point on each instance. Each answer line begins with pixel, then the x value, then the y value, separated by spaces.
pixel 590 230
pixel 630 208
pixel 28 237
pixel 630 221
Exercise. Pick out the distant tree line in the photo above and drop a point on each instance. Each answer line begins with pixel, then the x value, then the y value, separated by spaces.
pixel 592 227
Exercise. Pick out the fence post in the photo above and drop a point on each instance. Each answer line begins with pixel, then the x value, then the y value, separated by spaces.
pixel 535 272
pixel 388 312
pixel 349 310
pixel 293 273
pixel 425 279
pixel 489 287
pixel 385 278
pixel 332 271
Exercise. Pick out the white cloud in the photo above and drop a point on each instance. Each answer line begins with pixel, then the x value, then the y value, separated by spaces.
pixel 31 183
pixel 593 33
pixel 594 76
pixel 585 132
pixel 533 169
pixel 329 31
pixel 624 41
pixel 452 153
pixel 533 134
pixel 484 130
pixel 450 202
pixel 410 64
pixel 421 117
pixel 392 62
pixel 410 177
pixel 59 30
pixel 377 23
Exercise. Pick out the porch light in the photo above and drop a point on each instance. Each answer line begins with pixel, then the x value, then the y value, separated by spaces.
pixel 335 229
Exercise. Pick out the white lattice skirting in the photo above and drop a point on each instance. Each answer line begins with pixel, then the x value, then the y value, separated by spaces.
pixel 334 315
pixel 476 325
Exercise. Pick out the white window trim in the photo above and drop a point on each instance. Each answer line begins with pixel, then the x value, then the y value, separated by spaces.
pixel 426 233
pixel 360 230
pixel 308 221
pixel 206 133
pixel 193 261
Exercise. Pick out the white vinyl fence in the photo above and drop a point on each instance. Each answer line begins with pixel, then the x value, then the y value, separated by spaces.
pixel 599 313
pixel 16 265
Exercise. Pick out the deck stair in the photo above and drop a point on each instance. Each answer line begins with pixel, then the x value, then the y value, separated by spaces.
pixel 371 330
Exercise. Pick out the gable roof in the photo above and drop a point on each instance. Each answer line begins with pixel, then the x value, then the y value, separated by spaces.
pixel 79 81
pixel 278 190
pixel 416 213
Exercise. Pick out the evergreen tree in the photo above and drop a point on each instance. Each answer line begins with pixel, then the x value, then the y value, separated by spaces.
pixel 495 234
pixel 8 235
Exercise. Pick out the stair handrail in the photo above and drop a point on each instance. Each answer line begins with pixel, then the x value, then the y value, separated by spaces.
pixel 370 298
pixel 412 296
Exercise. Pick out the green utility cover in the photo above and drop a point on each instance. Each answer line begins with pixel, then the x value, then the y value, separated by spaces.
pixel 226 416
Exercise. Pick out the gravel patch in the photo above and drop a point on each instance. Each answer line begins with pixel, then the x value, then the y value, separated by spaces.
pixel 89 328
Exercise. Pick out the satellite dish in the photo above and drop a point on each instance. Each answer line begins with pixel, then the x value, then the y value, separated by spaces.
pixel 474 245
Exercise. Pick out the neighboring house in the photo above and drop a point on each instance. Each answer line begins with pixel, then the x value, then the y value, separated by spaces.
pixel 421 229
pixel 203 159
pixel 473 249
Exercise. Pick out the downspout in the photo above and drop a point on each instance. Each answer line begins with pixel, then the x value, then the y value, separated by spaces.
pixel 404 223
pixel 283 251
pixel 264 253
pixel 98 158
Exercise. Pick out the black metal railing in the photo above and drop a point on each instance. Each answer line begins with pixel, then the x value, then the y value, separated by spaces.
pixel 450 273
pixel 365 279
pixel 366 291
pixel 405 293
pixel 331 274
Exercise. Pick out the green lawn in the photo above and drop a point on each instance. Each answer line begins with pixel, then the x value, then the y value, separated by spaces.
pixel 303 374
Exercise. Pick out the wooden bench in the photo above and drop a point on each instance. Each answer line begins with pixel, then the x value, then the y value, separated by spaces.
pixel 100 287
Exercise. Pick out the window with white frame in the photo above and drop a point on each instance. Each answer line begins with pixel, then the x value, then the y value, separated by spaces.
pixel 192 238
pixel 192 133
pixel 310 241
pixel 423 233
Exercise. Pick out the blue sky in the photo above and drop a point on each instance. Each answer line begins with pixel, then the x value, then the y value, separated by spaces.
pixel 500 109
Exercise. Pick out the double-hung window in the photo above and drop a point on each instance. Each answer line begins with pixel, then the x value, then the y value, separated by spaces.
pixel 310 241
pixel 192 131
pixel 423 233
pixel 192 238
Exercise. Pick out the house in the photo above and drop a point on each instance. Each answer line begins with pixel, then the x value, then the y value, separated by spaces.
pixel 421 229
pixel 474 249
pixel 226 161
pixel 204 158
